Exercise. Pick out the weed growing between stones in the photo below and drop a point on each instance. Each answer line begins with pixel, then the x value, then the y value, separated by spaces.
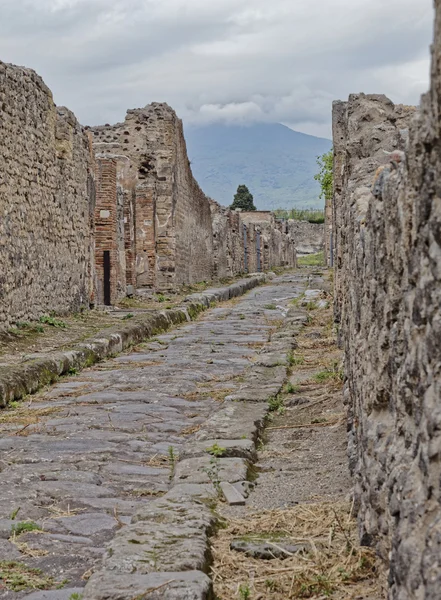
pixel 23 527
pixel 290 388
pixel 276 404
pixel 330 374
pixel 172 460
pixel 128 316
pixel 244 591
pixel 216 450
pixel 213 472
pixel 17 577
pixel 270 307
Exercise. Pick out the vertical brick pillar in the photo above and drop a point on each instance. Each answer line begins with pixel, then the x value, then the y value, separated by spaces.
pixel 145 236
pixel 130 236
pixel 106 226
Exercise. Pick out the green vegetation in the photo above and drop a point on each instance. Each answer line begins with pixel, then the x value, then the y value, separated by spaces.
pixel 52 321
pixel 301 214
pixel 332 374
pixel 311 260
pixel 128 316
pixel 270 307
pixel 244 592
pixel 243 199
pixel 24 526
pixel 324 176
pixel 172 459
pixel 14 513
pixel 276 404
pixel 216 450
pixel 17 577
pixel 290 388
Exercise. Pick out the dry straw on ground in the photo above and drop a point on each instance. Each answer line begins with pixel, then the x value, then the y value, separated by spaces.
pixel 333 566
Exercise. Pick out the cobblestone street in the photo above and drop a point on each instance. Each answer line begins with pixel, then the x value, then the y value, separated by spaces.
pixel 81 460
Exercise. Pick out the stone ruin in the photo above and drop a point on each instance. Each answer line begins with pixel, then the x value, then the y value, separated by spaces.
pixel 383 235
pixel 89 213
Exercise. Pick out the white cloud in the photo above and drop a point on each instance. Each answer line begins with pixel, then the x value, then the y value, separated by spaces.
pixel 253 60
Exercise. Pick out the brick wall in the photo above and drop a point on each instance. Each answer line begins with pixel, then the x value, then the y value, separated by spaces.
pixel 107 225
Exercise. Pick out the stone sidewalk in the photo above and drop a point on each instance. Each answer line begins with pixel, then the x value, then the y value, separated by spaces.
pixel 113 462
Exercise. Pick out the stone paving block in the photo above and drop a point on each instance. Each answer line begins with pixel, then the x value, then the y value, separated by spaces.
pixel 194 470
pixel 237 420
pixel 89 524
pixel 232 495
pixel 149 546
pixel 192 491
pixel 189 585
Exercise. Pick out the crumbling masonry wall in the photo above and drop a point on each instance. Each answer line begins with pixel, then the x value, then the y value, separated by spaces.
pixel 388 292
pixel 174 238
pixel 46 202
pixel 85 214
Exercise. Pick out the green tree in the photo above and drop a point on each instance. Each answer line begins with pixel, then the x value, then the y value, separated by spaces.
pixel 243 199
pixel 324 176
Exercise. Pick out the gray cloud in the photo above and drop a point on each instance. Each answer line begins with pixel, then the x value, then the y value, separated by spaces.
pixel 253 60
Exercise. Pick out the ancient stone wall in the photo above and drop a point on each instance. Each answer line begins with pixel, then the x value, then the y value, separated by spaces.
pixel 388 273
pixel 174 232
pixel 309 237
pixel 46 202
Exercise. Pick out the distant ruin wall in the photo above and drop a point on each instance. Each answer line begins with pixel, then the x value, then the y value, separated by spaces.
pixel 388 287
pixel 181 235
pixel 46 202
pixel 309 237
pixel 173 221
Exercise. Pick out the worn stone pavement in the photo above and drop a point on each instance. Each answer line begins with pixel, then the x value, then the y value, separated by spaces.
pixel 86 459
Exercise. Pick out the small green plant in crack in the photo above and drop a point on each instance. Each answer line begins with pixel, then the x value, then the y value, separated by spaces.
pixel 14 513
pixel 290 388
pixel 76 596
pixel 295 359
pixel 23 527
pixel 331 374
pixel 172 460
pixel 72 371
pixel 311 305
pixel 213 472
pixel 270 306
pixel 216 450
pixel 128 316
pixel 244 591
pixel 16 576
pixel 276 404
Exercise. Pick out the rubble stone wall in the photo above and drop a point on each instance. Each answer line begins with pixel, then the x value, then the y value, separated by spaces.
pixel 309 237
pixel 46 202
pixel 387 211
pixel 173 214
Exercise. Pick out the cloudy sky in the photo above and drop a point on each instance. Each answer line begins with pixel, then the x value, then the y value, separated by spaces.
pixel 221 60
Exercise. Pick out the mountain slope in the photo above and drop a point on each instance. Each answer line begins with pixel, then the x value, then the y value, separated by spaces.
pixel 276 163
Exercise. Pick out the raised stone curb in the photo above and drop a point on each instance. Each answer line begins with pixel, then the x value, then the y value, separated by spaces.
pixel 30 376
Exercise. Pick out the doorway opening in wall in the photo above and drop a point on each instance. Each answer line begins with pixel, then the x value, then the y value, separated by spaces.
pixel 106 266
